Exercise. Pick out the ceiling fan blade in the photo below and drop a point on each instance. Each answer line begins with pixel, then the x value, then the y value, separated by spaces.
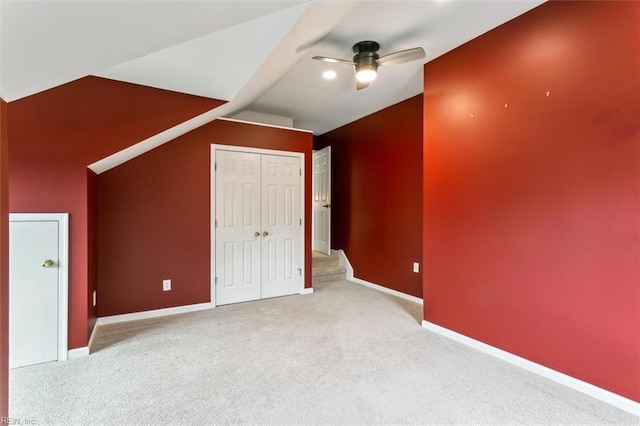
pixel 333 60
pixel 361 85
pixel 402 56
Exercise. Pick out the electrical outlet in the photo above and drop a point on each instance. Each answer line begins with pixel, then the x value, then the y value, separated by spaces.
pixel 166 285
pixel 94 298
pixel 416 267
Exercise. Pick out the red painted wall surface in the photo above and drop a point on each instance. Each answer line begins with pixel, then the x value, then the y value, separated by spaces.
pixel 4 262
pixel 154 218
pixel 376 205
pixel 56 134
pixel 531 205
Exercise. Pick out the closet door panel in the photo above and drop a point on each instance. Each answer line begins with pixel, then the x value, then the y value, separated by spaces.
pixel 238 248
pixel 281 220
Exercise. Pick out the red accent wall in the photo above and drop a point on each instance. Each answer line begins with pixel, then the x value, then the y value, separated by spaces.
pixel 154 218
pixel 53 137
pixel 532 190
pixel 376 205
pixel 4 262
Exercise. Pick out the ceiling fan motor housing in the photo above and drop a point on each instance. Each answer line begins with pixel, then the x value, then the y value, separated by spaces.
pixel 366 51
pixel 366 55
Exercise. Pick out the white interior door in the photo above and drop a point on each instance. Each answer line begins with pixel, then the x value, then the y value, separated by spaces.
pixel 322 200
pixel 33 292
pixel 281 222
pixel 238 228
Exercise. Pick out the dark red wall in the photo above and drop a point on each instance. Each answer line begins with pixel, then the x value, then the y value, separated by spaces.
pixel 531 205
pixel 56 134
pixel 4 262
pixel 154 218
pixel 376 198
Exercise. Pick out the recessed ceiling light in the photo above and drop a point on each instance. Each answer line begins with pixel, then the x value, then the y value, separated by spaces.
pixel 329 75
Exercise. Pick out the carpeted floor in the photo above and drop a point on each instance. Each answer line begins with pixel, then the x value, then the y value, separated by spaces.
pixel 345 354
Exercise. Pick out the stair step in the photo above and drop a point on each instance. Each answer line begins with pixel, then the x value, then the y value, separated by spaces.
pixel 325 265
pixel 337 269
pixel 330 261
pixel 321 258
pixel 327 278
pixel 327 268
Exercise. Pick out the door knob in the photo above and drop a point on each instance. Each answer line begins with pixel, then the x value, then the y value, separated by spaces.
pixel 327 205
pixel 265 234
pixel 257 234
pixel 48 263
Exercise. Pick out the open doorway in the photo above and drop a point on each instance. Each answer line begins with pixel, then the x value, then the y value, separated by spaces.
pixel 322 200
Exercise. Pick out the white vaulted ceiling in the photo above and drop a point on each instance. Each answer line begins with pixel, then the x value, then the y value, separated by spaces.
pixel 216 65
pixel 254 54
pixel 48 43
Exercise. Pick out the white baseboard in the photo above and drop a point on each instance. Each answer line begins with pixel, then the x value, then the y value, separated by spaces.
pixel 78 353
pixel 604 395
pixel 307 290
pixel 93 336
pixel 114 319
pixel 85 350
pixel 388 290
pixel 345 262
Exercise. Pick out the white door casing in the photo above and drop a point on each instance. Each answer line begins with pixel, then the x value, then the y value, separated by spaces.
pixel 277 242
pixel 38 294
pixel 322 200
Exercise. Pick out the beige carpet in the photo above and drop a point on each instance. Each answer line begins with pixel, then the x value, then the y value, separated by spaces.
pixel 345 354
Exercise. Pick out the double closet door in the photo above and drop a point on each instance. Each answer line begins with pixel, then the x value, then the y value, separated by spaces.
pixel 258 238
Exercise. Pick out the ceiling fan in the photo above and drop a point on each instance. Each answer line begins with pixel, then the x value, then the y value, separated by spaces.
pixel 366 60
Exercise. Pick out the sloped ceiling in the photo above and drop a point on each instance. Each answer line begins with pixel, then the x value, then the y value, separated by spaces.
pixel 254 54
pixel 216 65
pixel 45 44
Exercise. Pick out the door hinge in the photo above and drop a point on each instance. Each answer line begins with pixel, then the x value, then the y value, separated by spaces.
pixel 216 280
pixel 300 172
pixel 215 166
pixel 300 222
pixel 216 221
pixel 300 271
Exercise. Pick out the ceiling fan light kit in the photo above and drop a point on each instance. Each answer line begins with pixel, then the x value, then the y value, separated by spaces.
pixel 366 74
pixel 366 60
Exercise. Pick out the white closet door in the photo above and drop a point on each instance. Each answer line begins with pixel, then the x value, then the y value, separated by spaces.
pixel 281 245
pixel 238 231
pixel 33 292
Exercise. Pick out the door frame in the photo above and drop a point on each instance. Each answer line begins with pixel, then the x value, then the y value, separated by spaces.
pixel 63 270
pixel 212 210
